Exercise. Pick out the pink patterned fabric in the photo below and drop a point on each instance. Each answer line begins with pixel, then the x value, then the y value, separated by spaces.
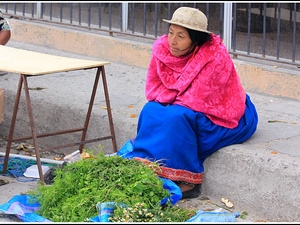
pixel 208 83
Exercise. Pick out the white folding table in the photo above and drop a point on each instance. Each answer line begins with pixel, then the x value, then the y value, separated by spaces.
pixel 30 64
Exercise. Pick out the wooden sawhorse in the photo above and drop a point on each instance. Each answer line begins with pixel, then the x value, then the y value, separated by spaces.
pixel 28 63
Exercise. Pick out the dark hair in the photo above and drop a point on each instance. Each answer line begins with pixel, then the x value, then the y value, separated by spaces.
pixel 198 37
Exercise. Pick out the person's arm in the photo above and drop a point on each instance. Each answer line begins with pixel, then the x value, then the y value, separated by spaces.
pixel 156 90
pixel 4 30
pixel 4 36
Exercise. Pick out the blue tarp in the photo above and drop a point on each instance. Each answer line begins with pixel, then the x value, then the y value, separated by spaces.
pixel 21 206
pixel 203 216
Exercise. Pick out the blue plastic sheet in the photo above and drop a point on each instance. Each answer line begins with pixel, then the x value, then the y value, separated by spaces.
pixel 21 206
pixel 203 216
pixel 106 210
pixel 126 150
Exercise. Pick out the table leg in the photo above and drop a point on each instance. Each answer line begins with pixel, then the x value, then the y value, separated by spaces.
pixel 87 120
pixel 33 130
pixel 99 70
pixel 12 126
pixel 111 124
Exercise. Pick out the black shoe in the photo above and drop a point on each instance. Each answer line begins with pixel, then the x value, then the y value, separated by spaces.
pixel 192 193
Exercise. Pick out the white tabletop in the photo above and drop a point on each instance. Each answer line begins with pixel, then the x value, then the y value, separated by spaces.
pixel 34 63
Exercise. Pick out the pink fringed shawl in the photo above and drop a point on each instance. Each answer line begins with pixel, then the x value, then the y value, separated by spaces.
pixel 208 83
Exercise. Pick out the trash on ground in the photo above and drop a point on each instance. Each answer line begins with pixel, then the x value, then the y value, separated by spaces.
pixel 227 202
pixel 3 182
pixel 22 147
pixel 280 121
pixel 33 171
pixel 227 208
pixel 25 147
pixel 72 157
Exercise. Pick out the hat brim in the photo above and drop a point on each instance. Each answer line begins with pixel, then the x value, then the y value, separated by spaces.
pixel 187 26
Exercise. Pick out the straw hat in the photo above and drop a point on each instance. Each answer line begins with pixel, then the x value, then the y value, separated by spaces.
pixel 190 18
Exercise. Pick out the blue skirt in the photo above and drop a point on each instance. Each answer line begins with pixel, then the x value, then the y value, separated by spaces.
pixel 180 139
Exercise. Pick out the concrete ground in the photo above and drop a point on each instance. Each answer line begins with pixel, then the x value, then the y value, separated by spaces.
pixel 260 176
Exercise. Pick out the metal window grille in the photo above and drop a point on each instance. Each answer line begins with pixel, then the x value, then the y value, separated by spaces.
pixel 266 31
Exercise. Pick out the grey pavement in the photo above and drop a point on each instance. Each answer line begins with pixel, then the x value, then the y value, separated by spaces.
pixel 260 176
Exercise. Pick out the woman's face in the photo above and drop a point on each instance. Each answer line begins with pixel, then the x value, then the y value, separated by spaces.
pixel 179 40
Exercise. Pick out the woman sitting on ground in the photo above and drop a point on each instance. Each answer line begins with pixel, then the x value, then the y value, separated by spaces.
pixel 196 103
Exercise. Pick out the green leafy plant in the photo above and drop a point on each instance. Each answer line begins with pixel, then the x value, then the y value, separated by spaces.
pixel 243 215
pixel 79 186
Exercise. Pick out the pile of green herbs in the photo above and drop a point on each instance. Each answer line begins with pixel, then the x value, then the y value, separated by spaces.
pixel 79 186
